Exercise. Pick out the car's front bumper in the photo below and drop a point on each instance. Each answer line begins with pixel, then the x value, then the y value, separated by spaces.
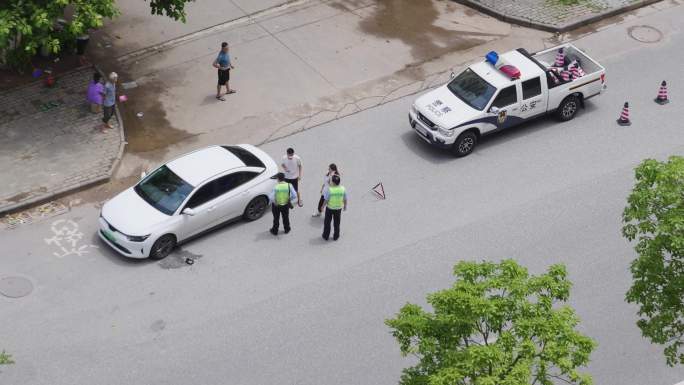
pixel 427 134
pixel 120 242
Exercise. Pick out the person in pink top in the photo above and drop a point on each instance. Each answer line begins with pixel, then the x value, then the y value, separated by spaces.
pixel 95 93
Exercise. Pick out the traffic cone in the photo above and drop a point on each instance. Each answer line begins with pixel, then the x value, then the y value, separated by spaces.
pixel 560 58
pixel 662 94
pixel 565 75
pixel 623 120
pixel 574 72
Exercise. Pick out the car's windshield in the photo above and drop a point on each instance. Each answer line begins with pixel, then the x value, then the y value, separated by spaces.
pixel 472 89
pixel 163 190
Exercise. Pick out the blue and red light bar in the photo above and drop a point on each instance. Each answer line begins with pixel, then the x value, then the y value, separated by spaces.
pixel 511 71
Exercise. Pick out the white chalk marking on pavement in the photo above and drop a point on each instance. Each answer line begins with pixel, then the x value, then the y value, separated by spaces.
pixel 67 238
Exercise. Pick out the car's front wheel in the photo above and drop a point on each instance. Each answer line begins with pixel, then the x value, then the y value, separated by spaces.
pixel 464 144
pixel 256 208
pixel 163 246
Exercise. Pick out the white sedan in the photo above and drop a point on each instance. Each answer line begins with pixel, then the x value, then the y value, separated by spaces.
pixel 187 196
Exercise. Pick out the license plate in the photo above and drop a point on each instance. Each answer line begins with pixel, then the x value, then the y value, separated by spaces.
pixel 420 129
pixel 108 234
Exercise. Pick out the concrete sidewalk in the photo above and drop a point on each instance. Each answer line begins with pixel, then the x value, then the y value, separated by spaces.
pixel 136 28
pixel 552 16
pixel 50 142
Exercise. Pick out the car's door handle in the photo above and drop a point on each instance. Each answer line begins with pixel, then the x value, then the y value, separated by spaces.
pixel 245 192
pixel 210 209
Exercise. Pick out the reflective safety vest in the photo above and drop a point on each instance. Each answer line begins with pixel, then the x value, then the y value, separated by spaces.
pixel 282 193
pixel 335 197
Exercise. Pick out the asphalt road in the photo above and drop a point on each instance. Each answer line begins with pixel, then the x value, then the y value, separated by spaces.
pixel 292 309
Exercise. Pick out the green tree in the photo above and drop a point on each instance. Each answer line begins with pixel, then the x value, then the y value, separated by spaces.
pixel 5 358
pixel 174 9
pixel 496 325
pixel 654 217
pixel 28 25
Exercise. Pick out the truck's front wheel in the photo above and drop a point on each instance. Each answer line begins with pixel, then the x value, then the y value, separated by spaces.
pixel 568 108
pixel 464 144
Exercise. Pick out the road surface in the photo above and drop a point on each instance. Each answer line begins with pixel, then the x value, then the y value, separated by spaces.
pixel 293 309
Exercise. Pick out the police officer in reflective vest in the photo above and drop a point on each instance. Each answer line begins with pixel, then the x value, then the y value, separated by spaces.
pixel 335 201
pixel 281 197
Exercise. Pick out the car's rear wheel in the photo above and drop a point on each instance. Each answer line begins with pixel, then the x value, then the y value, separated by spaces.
pixel 464 144
pixel 163 246
pixel 256 208
pixel 568 108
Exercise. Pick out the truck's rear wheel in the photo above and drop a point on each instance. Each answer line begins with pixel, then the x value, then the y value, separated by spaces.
pixel 464 144
pixel 568 108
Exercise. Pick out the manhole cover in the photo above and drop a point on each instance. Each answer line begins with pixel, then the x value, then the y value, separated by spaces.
pixel 645 34
pixel 15 287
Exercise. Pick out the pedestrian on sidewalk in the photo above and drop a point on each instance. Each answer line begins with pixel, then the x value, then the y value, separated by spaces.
pixel 335 201
pixel 223 64
pixel 332 170
pixel 281 202
pixel 109 102
pixel 292 166
pixel 95 93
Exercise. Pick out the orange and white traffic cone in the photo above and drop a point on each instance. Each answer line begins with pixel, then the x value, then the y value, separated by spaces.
pixel 623 120
pixel 574 73
pixel 560 58
pixel 662 94
pixel 565 75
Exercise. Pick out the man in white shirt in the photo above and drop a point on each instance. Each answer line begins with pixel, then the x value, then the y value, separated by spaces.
pixel 292 167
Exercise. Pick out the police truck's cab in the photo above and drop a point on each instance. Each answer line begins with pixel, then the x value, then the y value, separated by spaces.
pixel 503 91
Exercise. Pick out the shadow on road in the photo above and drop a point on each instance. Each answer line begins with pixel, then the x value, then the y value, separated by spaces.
pixel 424 150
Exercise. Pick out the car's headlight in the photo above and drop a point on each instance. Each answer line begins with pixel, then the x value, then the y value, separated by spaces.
pixel 137 238
pixel 446 132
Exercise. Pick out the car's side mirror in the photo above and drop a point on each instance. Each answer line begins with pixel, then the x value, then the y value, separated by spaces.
pixel 188 211
pixel 494 110
pixel 453 75
pixel 143 175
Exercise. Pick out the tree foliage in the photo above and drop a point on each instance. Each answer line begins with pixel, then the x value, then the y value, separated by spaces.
pixel 496 325
pixel 174 9
pixel 32 24
pixel 654 217
pixel 5 359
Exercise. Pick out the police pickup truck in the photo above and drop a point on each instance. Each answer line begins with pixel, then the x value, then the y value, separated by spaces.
pixel 503 91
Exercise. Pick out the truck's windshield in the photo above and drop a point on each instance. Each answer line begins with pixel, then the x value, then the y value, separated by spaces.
pixel 472 89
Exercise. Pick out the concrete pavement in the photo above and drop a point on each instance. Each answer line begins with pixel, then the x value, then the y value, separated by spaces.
pixel 136 28
pixel 255 309
pixel 50 142
pixel 555 16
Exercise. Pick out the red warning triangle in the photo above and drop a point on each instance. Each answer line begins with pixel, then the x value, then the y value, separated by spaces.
pixel 378 189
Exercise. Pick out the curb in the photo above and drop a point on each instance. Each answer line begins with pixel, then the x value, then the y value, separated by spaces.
pixel 8 209
pixel 561 28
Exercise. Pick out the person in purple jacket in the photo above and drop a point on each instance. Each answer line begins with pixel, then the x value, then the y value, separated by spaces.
pixel 95 93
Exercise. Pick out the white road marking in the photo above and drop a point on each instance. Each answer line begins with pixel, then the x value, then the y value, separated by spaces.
pixel 67 238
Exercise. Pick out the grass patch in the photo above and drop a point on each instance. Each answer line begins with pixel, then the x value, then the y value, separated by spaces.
pixel 5 359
